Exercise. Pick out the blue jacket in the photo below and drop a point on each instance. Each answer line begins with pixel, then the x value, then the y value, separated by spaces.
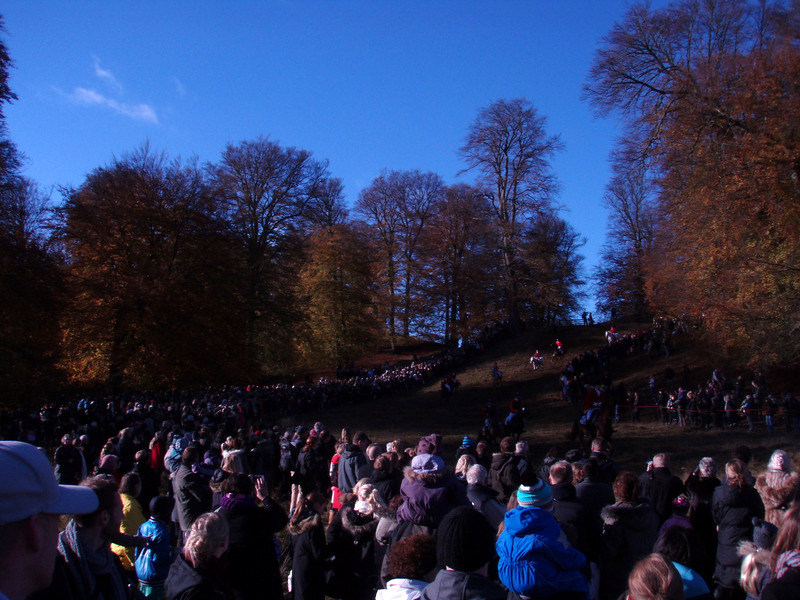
pixel 152 564
pixel 535 556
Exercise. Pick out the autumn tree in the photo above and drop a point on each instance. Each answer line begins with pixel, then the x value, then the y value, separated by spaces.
pixel 550 269
pixel 711 87
pixel 509 149
pixel 326 207
pixel 456 255
pixel 29 275
pixel 397 206
pixel 419 195
pixel 340 322
pixel 151 285
pixel 30 290
pixel 267 191
pixel 630 200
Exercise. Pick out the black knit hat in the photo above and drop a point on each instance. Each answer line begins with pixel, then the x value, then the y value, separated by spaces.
pixel 764 533
pixel 464 540
pixel 161 507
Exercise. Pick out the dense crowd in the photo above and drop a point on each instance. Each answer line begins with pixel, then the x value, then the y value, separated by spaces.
pixel 200 495
pixel 196 515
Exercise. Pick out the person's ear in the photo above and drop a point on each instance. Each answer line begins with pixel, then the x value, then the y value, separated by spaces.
pixel 105 517
pixel 33 532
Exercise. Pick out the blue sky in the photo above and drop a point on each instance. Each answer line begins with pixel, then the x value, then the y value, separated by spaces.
pixel 367 85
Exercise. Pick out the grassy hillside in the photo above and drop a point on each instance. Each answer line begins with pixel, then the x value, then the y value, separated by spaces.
pixel 550 420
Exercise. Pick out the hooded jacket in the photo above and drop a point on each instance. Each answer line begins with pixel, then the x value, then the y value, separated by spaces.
pixel 152 563
pixel 428 497
pixel 504 475
pixel 457 585
pixel 733 509
pixel 309 552
pixel 629 531
pixel 535 556
pixel 352 459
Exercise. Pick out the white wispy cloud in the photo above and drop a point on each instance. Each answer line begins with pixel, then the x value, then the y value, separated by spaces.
pixel 107 76
pixel 140 112
pixel 179 87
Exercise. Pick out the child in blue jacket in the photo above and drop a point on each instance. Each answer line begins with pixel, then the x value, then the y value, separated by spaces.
pixel 536 560
pixel 152 563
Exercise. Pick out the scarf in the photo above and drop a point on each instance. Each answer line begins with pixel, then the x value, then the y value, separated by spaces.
pixel 86 566
pixel 786 561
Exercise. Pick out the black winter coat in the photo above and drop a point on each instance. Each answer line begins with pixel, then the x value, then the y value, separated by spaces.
pixel 253 562
pixel 733 509
pixel 629 531
pixel 662 487
pixel 571 515
pixel 184 582
pixel 309 556
pixel 785 588
pixel 351 540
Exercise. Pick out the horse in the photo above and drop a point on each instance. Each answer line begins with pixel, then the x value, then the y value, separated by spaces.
pixel 597 422
pixel 514 425
pixel 490 431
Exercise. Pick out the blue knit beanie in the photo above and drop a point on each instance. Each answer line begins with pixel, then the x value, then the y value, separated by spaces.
pixel 537 495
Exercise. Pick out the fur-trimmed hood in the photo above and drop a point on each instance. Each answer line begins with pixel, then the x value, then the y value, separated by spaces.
pixel 427 478
pixel 359 525
pixel 307 523
pixel 635 515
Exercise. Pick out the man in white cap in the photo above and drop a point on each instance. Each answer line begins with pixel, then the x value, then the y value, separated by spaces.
pixel 31 501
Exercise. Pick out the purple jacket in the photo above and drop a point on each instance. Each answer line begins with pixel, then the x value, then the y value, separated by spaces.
pixel 427 498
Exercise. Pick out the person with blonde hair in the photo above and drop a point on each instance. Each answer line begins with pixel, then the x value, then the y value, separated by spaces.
pixel 199 572
pixel 654 578
pixel 465 461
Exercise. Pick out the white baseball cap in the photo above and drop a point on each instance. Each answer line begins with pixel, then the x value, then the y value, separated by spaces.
pixel 30 487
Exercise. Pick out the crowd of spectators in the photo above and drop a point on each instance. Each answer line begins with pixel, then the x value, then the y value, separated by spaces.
pixel 344 516
pixel 201 495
